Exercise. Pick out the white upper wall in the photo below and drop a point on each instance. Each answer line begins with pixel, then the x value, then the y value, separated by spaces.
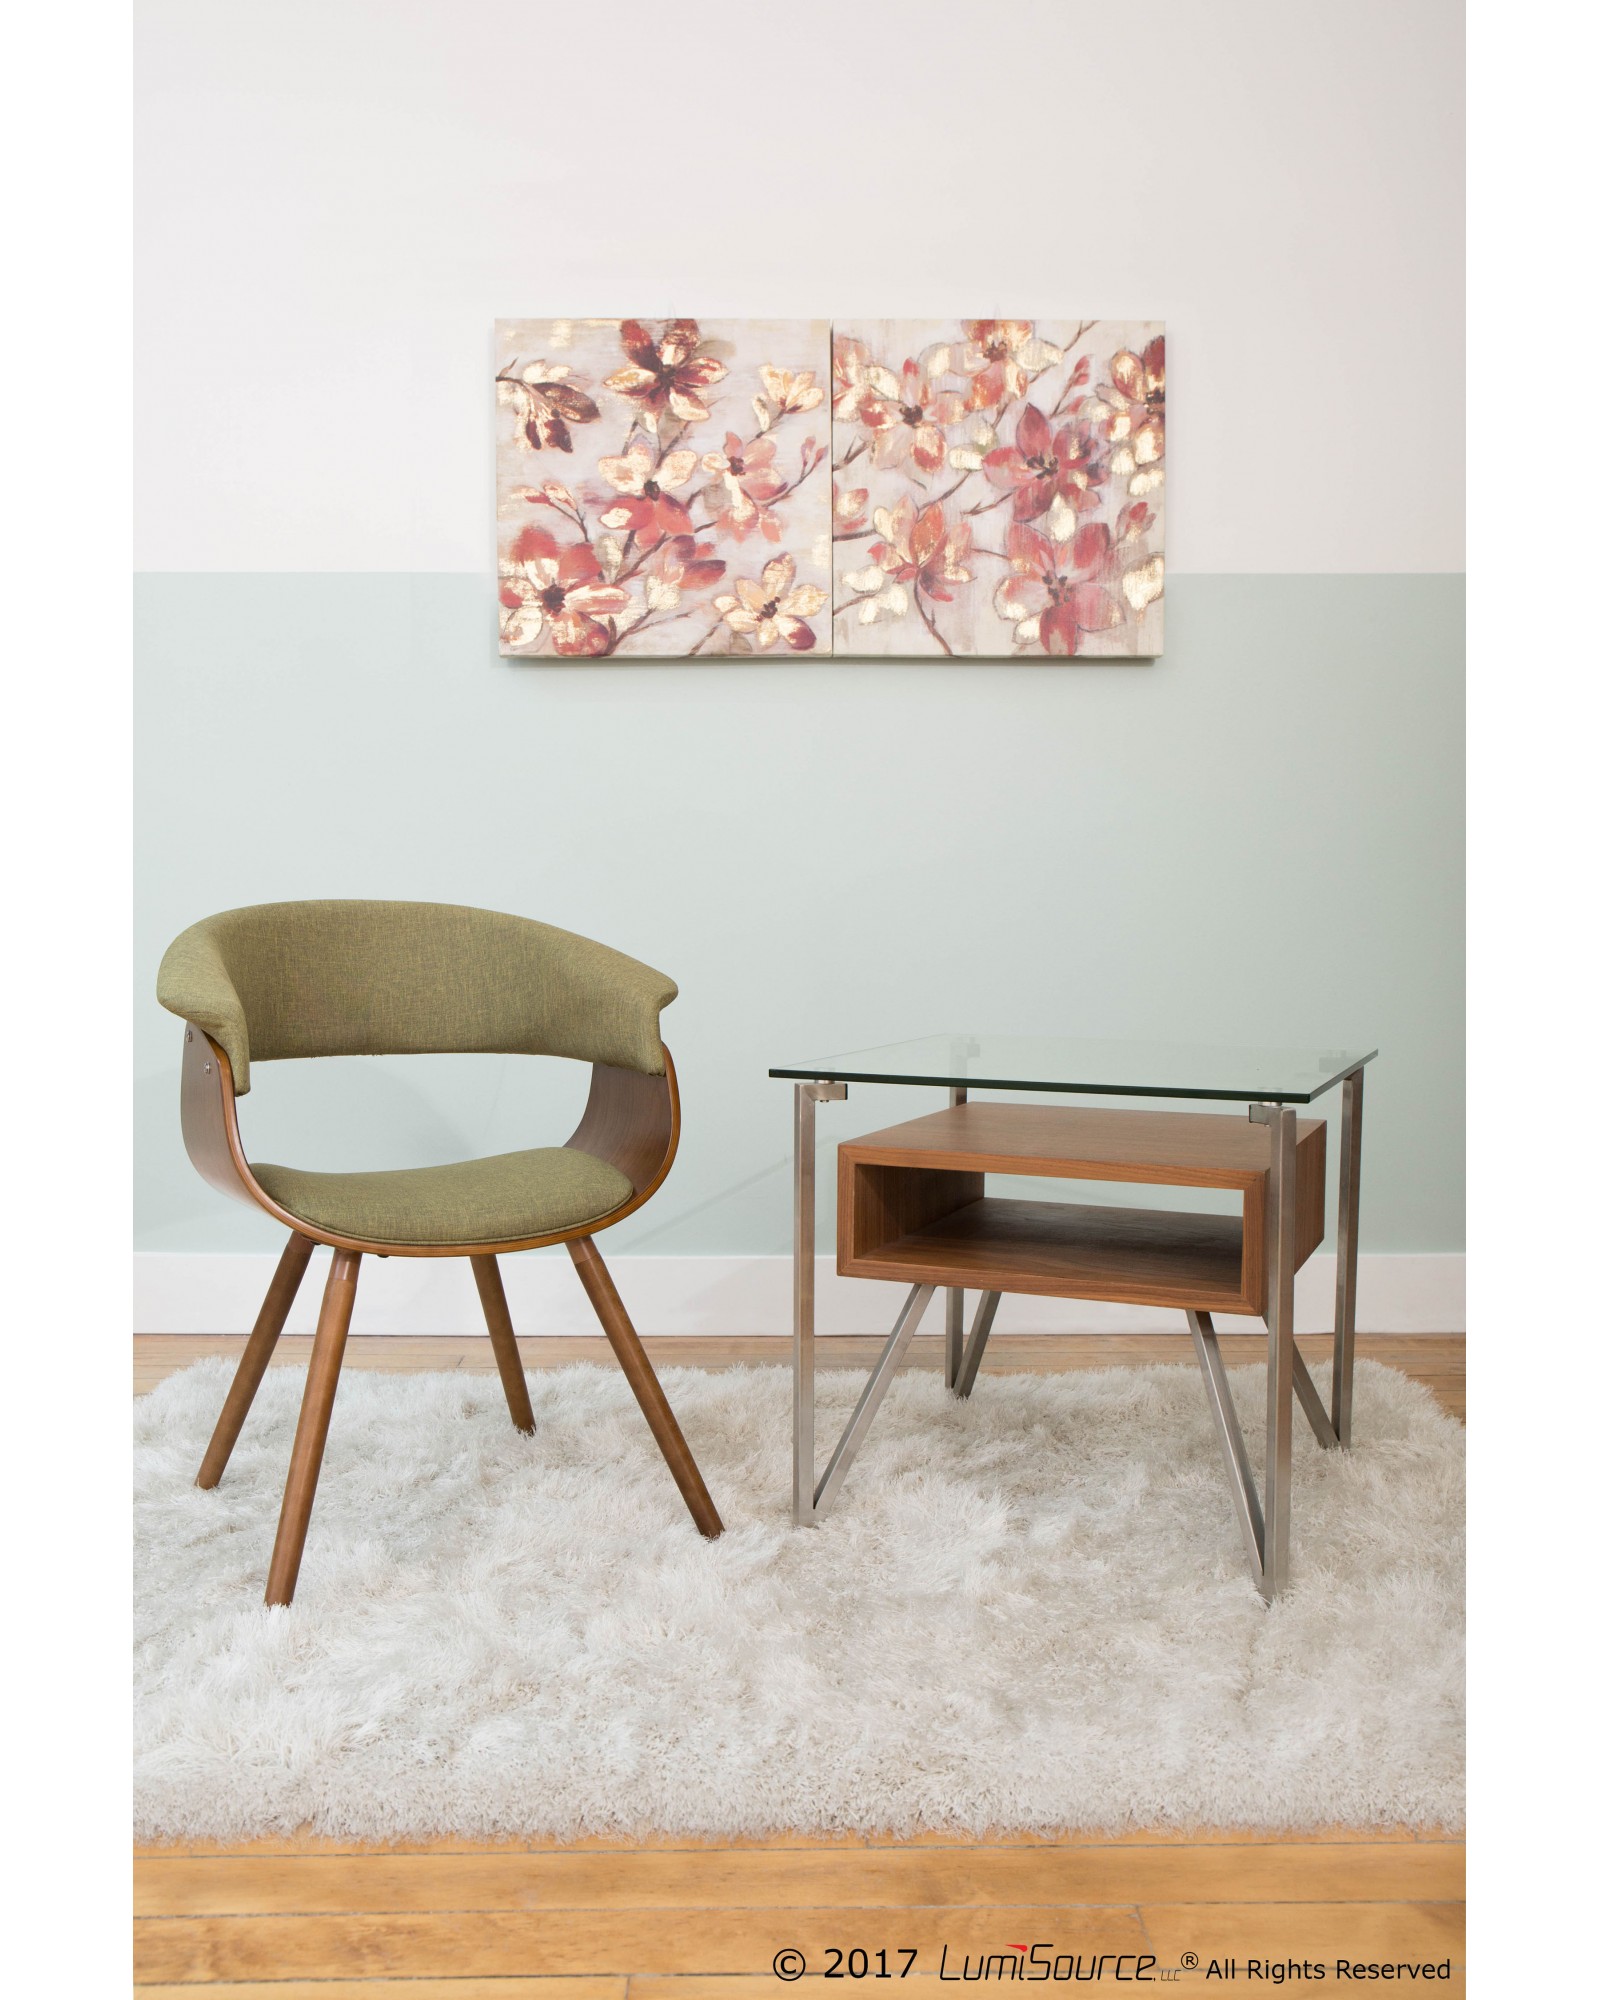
pixel 338 197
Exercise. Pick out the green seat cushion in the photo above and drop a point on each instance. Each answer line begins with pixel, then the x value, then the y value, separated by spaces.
pixel 497 1200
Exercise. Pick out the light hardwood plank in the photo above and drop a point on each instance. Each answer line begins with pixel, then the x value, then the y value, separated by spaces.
pixel 1438 1360
pixel 610 1987
pixel 886 1878
pixel 489 1943
pixel 314 1844
pixel 752 1986
pixel 307 1843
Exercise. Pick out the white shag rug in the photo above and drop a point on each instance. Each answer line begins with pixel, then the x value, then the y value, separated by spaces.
pixel 1029 1611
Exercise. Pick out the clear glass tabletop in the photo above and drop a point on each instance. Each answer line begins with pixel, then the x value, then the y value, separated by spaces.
pixel 1111 1069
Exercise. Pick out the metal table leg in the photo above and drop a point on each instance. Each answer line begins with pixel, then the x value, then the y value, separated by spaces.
pixel 807 1096
pixel 977 1341
pixel 955 1301
pixel 1344 1296
pixel 1266 1526
pixel 872 1395
pixel 1280 1121
pixel 1246 1501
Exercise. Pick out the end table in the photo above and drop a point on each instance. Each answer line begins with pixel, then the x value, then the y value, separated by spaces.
pixel 913 1208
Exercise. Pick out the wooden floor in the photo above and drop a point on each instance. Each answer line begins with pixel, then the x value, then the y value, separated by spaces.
pixel 684 1920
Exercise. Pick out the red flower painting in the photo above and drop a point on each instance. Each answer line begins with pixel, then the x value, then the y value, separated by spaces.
pixel 672 443
pixel 1000 488
pixel 666 376
pixel 986 489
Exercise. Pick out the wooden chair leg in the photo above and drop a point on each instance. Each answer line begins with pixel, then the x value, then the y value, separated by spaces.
pixel 613 1317
pixel 503 1339
pixel 311 1434
pixel 258 1352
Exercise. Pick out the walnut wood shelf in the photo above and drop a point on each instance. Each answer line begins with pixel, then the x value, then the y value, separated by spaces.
pixel 913 1206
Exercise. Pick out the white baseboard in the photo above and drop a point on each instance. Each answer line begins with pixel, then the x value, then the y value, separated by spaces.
pixel 205 1292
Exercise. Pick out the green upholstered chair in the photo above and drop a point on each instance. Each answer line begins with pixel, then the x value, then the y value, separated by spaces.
pixel 284 980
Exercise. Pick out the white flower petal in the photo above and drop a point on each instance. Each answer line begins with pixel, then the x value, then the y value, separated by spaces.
pixel 867 581
pixel 891 602
pixel 676 469
pixel 1061 524
pixel 1144 585
pixel 521 628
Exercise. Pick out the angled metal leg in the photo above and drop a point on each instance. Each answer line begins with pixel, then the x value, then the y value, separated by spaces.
pixel 954 1300
pixel 807 1096
pixel 1241 1483
pixel 1280 1121
pixel 1316 1415
pixel 954 1316
pixel 977 1341
pixel 1344 1296
pixel 872 1395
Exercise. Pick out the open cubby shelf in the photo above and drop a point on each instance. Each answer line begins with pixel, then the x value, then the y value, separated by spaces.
pixel 913 1206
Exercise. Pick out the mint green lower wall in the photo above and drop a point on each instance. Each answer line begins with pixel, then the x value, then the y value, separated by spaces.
pixel 1258 837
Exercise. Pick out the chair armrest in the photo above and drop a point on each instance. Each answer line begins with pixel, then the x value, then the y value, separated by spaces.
pixel 597 1004
pixel 631 1121
pixel 194 983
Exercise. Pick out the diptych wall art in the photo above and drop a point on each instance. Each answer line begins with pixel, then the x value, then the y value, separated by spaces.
pixel 996 488
pixel 999 487
pixel 663 487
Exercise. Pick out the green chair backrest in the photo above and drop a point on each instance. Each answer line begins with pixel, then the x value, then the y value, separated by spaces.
pixel 278 980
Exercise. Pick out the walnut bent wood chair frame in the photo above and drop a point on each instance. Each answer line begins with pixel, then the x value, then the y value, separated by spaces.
pixel 630 1124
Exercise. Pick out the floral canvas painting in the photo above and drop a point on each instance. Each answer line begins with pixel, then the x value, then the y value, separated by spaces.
pixel 663 488
pixel 998 488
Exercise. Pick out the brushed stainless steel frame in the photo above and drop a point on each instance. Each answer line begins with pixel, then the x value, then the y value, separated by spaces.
pixel 1281 1122
pixel 1241 1483
pixel 807 1096
pixel 955 1300
pixel 1344 1296
pixel 977 1341
pixel 1316 1411
pixel 894 1350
